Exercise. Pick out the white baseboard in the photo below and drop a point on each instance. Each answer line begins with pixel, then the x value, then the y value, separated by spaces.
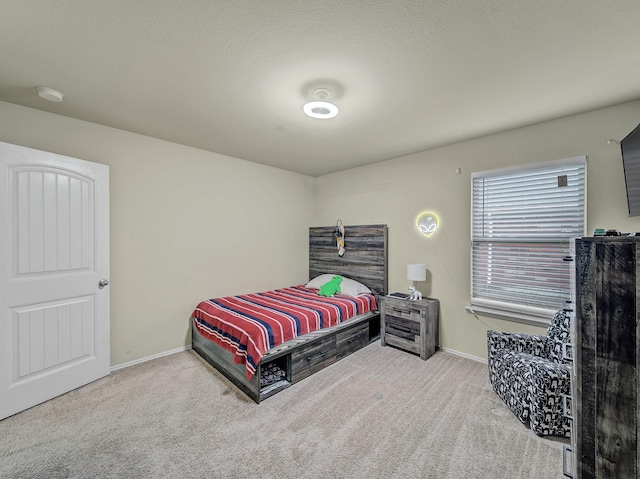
pixel 464 355
pixel 149 358
pixel 185 348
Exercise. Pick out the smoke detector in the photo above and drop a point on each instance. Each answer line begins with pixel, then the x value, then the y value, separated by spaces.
pixel 320 108
pixel 49 94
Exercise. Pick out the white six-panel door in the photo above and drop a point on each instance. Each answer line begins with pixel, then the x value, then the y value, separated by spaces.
pixel 54 252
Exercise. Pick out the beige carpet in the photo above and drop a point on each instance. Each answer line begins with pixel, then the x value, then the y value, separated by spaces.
pixel 379 413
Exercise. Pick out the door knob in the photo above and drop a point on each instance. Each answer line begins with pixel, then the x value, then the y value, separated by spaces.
pixel 102 283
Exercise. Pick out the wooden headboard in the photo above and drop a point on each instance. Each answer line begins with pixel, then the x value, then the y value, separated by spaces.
pixel 364 260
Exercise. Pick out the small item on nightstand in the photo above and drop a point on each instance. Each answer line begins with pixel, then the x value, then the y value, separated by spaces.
pixel 414 294
pixel 399 295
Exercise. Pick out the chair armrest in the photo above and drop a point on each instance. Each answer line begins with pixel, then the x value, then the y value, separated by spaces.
pixel 546 372
pixel 550 383
pixel 534 344
pixel 549 378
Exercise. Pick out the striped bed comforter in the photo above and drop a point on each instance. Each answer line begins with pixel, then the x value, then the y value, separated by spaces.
pixel 249 325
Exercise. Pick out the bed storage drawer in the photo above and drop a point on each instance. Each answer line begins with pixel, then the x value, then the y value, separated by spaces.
pixel 313 358
pixel 351 340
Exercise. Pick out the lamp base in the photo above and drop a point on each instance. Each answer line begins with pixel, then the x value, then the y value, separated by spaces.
pixel 414 294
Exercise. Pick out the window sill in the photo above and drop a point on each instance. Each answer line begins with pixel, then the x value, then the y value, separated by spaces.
pixel 516 317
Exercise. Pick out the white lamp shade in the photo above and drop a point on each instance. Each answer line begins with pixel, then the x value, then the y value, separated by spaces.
pixel 417 272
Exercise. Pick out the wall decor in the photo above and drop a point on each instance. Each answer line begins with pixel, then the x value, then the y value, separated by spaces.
pixel 427 223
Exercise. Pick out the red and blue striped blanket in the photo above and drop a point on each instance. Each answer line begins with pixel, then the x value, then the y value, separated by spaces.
pixel 250 325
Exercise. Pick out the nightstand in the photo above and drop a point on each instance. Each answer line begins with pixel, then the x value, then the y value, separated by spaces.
pixel 410 325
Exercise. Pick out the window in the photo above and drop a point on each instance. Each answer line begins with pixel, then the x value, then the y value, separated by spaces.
pixel 523 225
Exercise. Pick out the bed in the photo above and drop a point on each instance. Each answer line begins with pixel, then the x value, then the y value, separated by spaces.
pixel 259 364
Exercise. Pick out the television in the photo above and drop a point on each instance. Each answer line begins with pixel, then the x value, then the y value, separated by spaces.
pixel 630 147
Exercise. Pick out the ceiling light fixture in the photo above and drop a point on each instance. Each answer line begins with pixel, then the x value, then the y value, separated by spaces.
pixel 49 94
pixel 320 108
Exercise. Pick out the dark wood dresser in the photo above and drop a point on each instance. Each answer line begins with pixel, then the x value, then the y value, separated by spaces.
pixel 605 347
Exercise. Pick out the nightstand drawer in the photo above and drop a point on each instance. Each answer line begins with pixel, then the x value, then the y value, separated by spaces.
pixel 404 310
pixel 405 328
pixel 411 345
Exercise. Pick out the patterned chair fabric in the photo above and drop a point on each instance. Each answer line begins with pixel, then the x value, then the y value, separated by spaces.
pixel 529 374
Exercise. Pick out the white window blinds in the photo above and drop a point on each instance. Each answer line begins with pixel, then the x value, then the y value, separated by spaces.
pixel 523 224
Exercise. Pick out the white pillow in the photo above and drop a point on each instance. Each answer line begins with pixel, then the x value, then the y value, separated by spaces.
pixel 350 287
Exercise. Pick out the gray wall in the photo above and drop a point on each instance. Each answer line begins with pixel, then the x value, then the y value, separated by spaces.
pixel 188 224
pixel 396 191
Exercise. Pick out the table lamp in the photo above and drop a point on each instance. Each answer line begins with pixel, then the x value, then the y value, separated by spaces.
pixel 416 272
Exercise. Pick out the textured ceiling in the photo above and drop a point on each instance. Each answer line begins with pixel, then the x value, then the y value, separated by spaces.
pixel 232 76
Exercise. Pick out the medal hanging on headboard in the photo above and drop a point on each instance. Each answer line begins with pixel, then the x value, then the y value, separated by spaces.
pixel 338 232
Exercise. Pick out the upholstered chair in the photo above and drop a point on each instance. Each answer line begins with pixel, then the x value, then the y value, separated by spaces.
pixel 531 376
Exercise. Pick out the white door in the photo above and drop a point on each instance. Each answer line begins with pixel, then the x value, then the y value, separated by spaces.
pixel 54 252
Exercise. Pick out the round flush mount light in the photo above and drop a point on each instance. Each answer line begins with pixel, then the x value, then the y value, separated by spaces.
pixel 49 94
pixel 320 108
